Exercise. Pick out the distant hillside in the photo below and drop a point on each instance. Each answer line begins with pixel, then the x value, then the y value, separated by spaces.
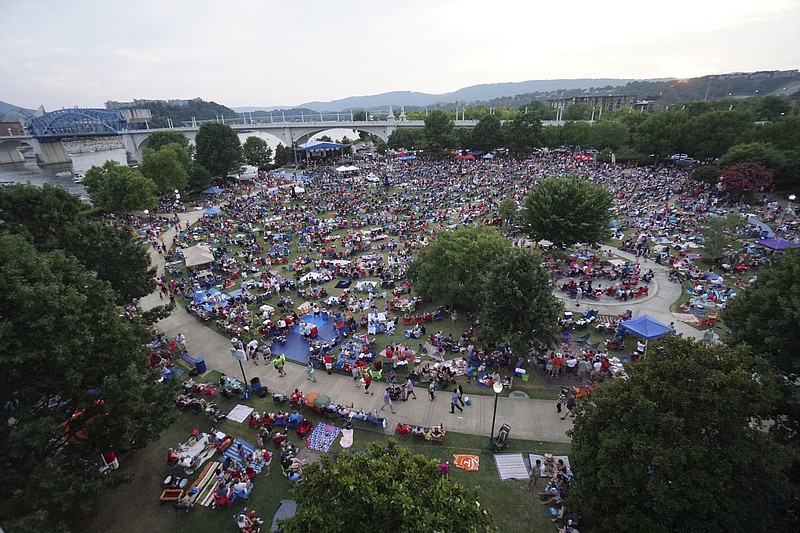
pixel 517 94
pixel 181 112
pixel 471 94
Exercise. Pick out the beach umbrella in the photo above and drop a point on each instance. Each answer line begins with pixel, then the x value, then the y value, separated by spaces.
pixel 310 397
pixel 322 401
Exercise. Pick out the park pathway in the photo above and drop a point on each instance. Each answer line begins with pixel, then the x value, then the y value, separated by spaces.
pixel 529 419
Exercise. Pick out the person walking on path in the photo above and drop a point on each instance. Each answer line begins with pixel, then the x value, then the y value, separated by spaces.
pixel 181 338
pixel 357 377
pixel 460 395
pixel 578 297
pixel 367 383
pixel 560 399
pixel 310 372
pixel 432 390
pixel 410 389
pixel 267 353
pixel 387 400
pixel 278 363
pixel 328 363
pixel 570 407
pixel 454 403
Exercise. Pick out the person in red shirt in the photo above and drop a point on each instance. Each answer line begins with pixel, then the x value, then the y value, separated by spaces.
pixel 328 363
pixel 367 383
pixel 558 364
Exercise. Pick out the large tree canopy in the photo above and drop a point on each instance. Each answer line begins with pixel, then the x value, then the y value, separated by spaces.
pixel 488 134
pixel 524 132
pixel 568 211
pixel 168 167
pixel 50 217
pixel 380 490
pixel 677 447
pixel 74 383
pixel 159 139
pixel 453 266
pixel 765 317
pixel 438 131
pixel 218 149
pixel 518 305
pixel 119 189
pixel 257 152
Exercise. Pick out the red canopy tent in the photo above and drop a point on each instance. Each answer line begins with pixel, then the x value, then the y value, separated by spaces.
pixel 468 156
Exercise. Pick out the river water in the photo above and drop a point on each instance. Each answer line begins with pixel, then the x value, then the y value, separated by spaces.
pixel 32 173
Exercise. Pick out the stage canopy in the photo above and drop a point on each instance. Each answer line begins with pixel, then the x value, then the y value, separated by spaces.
pixel 311 146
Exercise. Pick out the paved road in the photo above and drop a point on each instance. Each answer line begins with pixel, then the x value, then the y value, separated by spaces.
pixel 529 419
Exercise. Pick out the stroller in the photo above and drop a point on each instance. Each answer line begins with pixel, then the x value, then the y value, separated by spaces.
pixel 500 442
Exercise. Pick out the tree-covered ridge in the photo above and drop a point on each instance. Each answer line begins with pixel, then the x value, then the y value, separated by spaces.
pixel 196 108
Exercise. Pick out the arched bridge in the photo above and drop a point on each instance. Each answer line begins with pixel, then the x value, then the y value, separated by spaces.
pixel 78 123
pixel 45 133
pixel 288 132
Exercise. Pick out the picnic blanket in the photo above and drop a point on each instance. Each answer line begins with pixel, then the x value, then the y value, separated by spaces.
pixel 196 447
pixel 240 413
pixel 205 483
pixel 470 463
pixel 511 466
pixel 287 509
pixel 686 317
pixel 232 452
pixel 347 438
pixel 322 437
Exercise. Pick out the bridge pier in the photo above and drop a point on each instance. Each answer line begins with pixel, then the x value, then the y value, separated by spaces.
pixel 9 153
pixel 132 152
pixel 50 152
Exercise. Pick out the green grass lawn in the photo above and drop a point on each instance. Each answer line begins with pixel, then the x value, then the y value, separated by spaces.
pixel 135 507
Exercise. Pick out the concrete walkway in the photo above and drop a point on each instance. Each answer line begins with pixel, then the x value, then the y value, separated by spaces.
pixel 529 419
pixel 662 295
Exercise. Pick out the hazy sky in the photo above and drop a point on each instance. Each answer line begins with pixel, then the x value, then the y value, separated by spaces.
pixel 64 53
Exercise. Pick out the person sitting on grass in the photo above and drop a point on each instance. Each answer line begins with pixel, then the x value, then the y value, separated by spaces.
pixel 248 522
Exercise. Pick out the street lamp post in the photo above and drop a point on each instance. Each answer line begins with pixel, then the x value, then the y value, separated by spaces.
pixel 497 388
pixel 792 198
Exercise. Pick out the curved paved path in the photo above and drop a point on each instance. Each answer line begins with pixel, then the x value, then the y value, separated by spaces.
pixel 529 419
pixel 663 294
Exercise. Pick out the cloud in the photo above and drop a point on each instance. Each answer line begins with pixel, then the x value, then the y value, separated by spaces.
pixel 258 52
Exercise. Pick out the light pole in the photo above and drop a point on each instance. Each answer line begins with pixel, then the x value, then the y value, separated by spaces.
pixel 792 198
pixel 497 388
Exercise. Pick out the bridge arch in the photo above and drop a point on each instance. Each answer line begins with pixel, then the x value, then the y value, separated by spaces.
pixel 78 122
pixel 379 131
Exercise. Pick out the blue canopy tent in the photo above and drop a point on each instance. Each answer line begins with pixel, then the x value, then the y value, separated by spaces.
pixel 213 212
pixel 647 328
pixel 777 244
pixel 488 156
pixel 407 157
pixel 214 190
pixel 318 147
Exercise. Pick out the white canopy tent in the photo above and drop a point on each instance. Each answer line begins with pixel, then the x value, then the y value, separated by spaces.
pixel 198 255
